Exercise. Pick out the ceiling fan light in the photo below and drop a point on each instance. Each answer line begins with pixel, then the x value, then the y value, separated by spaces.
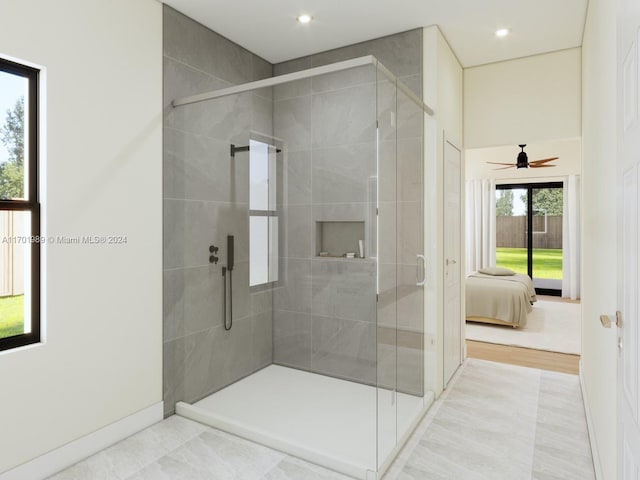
pixel 523 160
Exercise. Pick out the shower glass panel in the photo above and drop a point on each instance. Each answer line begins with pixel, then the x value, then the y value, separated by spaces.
pixel 400 339
pixel 410 263
pixel 324 317
pixel 319 180
pixel 387 347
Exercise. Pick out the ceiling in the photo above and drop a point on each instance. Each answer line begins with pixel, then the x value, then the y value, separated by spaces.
pixel 269 28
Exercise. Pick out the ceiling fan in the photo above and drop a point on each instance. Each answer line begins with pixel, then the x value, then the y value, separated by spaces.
pixel 523 161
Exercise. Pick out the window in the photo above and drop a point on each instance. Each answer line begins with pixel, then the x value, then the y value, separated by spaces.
pixel 19 206
pixel 263 217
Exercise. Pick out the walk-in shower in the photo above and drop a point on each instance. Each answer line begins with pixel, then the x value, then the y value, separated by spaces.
pixel 319 181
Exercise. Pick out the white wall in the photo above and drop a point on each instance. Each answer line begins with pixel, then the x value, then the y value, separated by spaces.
pixel 443 91
pixel 526 100
pixel 599 226
pixel 102 168
pixel 569 162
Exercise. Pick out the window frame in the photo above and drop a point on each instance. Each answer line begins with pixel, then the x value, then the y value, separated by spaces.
pixel 530 187
pixel 268 214
pixel 30 204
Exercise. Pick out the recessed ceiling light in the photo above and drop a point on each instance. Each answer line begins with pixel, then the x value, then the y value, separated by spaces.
pixel 304 18
pixel 502 32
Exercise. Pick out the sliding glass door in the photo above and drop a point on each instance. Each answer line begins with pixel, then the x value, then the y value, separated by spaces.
pixel 546 254
pixel 529 232
pixel 511 229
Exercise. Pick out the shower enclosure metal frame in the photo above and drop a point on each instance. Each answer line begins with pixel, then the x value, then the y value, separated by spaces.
pixel 309 73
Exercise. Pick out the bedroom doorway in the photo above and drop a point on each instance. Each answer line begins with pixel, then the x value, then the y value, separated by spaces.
pixel 529 232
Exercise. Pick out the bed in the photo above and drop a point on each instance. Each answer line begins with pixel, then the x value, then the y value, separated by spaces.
pixel 502 299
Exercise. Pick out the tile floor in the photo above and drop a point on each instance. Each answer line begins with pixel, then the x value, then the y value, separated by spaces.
pixel 501 422
pixel 497 422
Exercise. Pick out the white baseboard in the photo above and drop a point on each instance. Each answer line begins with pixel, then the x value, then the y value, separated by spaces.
pixel 63 457
pixel 597 466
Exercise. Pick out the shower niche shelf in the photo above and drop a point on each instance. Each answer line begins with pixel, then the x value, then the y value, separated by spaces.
pixel 336 238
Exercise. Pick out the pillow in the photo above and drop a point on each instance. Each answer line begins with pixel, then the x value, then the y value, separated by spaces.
pixel 497 271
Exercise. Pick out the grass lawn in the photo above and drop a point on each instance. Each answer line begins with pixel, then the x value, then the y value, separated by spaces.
pixel 11 316
pixel 547 263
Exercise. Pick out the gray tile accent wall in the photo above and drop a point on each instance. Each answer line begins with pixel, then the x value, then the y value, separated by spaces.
pixel 322 316
pixel 325 311
pixel 205 199
pixel 401 53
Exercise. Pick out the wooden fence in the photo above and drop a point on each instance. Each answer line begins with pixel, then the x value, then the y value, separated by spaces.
pixel 511 232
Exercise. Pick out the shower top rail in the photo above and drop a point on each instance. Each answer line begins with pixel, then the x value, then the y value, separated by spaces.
pixel 302 74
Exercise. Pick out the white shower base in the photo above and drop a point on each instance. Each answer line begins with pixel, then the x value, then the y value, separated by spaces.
pixel 324 420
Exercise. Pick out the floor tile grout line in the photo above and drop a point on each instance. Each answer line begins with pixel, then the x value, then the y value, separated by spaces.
pixel 535 432
pixel 111 469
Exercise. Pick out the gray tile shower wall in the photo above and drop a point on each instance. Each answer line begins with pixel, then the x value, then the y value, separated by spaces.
pixel 324 310
pixel 324 317
pixel 205 199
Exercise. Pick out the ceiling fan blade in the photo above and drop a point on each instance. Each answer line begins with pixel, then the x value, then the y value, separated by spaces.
pixel 500 163
pixel 504 168
pixel 541 166
pixel 545 160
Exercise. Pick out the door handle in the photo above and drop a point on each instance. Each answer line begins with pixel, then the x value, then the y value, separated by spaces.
pixel 606 320
pixel 420 283
pixel 449 262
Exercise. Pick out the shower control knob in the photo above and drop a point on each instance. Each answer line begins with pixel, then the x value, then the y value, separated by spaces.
pixel 213 259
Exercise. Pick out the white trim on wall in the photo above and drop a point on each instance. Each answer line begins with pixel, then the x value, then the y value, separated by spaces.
pixel 63 457
pixel 597 466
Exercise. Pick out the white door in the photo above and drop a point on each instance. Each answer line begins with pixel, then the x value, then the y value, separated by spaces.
pixel 628 393
pixel 452 260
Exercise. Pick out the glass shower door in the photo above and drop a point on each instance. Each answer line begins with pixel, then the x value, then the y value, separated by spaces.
pixel 411 263
pixel 400 332
pixel 387 326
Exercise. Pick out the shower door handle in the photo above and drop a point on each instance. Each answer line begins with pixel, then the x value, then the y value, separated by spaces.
pixel 423 274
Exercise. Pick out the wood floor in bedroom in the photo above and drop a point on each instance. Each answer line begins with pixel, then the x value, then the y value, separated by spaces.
pixel 524 357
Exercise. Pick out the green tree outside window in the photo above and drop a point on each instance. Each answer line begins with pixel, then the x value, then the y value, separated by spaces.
pixel 12 137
